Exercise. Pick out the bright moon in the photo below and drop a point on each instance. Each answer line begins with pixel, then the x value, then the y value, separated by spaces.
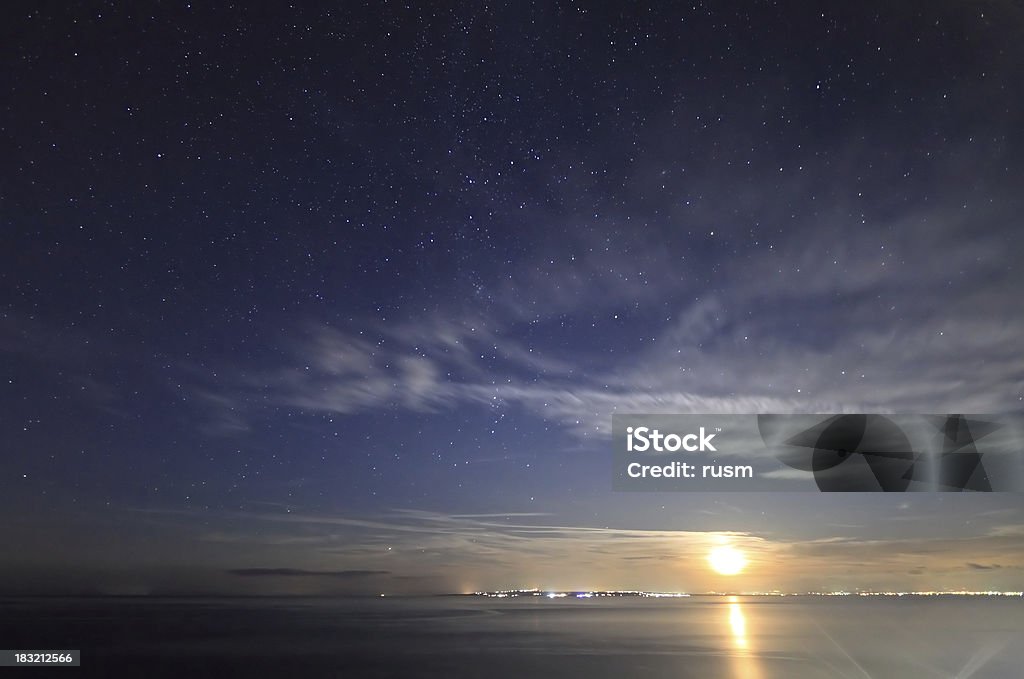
pixel 726 560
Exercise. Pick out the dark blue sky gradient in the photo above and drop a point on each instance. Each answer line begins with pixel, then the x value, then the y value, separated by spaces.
pixel 357 288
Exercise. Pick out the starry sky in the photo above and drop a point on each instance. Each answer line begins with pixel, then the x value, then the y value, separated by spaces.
pixel 341 297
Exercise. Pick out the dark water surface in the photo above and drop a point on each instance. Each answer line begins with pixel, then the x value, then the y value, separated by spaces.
pixel 743 637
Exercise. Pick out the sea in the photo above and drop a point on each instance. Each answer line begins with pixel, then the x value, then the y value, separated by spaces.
pixel 452 637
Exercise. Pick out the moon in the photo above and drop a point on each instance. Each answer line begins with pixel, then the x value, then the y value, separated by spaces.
pixel 727 560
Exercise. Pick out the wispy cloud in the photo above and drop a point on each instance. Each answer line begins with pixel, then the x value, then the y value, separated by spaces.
pixel 489 550
pixel 919 313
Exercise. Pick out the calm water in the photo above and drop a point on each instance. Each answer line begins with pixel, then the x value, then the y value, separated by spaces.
pixel 752 638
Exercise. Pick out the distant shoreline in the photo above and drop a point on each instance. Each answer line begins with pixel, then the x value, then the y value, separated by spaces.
pixel 519 594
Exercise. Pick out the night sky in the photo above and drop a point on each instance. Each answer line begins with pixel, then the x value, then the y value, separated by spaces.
pixel 341 298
